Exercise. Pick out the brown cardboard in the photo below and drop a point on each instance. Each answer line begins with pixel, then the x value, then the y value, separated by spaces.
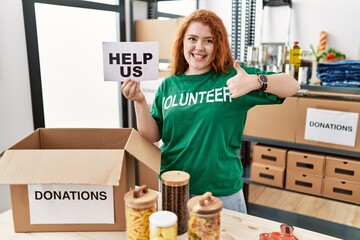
pixel 268 155
pixel 269 175
pixel 342 190
pixel 75 156
pixel 306 162
pixel 306 183
pixel 276 122
pixel 343 168
pixel 162 31
pixel 147 176
pixel 334 105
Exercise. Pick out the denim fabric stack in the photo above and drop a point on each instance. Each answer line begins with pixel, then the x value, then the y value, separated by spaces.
pixel 345 73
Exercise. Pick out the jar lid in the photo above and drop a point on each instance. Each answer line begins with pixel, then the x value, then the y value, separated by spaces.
pixel 205 204
pixel 140 197
pixel 163 219
pixel 175 178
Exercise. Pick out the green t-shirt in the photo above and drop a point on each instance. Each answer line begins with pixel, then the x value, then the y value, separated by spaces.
pixel 202 129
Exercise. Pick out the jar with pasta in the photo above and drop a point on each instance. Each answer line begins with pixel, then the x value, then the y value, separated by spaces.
pixel 139 205
pixel 163 226
pixel 204 217
pixel 175 194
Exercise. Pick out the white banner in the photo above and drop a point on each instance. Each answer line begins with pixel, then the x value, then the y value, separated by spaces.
pixel 135 60
pixel 331 126
pixel 71 204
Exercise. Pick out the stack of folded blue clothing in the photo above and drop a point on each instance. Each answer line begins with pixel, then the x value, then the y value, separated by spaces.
pixel 345 73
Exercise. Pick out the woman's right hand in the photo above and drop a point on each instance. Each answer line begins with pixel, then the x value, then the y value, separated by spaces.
pixel 146 124
pixel 131 90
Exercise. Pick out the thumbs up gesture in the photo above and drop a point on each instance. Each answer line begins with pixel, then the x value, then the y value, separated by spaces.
pixel 242 82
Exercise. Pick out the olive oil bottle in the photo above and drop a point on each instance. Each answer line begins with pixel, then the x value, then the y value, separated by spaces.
pixel 295 57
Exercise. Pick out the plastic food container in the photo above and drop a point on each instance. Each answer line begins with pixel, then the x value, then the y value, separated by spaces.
pixel 204 217
pixel 285 234
pixel 163 226
pixel 139 205
pixel 175 194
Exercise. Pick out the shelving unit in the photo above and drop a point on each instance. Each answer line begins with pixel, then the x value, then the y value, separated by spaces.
pixel 328 89
pixel 321 92
pixel 300 146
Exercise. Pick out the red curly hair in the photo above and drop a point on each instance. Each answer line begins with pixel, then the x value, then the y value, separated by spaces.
pixel 222 59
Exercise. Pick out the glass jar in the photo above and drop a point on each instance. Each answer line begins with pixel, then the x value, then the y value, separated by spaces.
pixel 307 61
pixel 163 225
pixel 139 205
pixel 175 194
pixel 204 217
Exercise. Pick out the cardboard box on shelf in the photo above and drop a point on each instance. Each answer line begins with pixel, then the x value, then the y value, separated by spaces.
pixel 329 123
pixel 342 190
pixel 269 155
pixel 306 162
pixel 343 168
pixel 269 175
pixel 155 30
pixel 61 165
pixel 301 182
pixel 276 122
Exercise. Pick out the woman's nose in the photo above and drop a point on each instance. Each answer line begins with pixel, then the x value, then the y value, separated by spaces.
pixel 199 44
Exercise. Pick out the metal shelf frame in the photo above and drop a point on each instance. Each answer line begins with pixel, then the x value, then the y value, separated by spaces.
pixel 300 146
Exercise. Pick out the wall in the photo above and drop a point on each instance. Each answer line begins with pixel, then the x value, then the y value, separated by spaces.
pixel 15 102
pixel 221 8
pixel 338 17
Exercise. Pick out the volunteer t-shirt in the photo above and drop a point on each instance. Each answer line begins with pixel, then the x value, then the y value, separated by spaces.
pixel 202 128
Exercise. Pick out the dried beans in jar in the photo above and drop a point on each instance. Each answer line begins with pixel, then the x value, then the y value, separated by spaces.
pixel 175 194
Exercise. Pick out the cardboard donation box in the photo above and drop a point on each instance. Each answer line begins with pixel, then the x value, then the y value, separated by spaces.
pixel 342 190
pixel 347 169
pixel 280 121
pixel 301 182
pixel 74 179
pixel 306 162
pixel 268 175
pixel 328 123
pixel 269 155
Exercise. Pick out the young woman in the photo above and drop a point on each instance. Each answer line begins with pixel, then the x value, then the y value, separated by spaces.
pixel 199 112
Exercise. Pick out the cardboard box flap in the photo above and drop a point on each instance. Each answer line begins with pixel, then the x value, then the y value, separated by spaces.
pixel 30 142
pixel 84 138
pixel 97 167
pixel 144 150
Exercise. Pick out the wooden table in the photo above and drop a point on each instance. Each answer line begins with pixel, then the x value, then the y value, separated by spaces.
pixel 234 226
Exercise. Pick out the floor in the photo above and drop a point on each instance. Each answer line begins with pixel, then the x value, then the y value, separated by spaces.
pixel 327 216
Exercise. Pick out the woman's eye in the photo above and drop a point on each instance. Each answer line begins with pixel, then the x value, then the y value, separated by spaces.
pixel 192 39
pixel 209 41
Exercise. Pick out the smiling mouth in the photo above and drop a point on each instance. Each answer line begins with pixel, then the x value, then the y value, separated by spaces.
pixel 197 56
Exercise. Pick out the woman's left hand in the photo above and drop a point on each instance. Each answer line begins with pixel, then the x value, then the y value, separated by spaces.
pixel 242 82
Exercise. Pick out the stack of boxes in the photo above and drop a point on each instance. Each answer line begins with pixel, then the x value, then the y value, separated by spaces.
pixel 342 179
pixel 307 172
pixel 268 165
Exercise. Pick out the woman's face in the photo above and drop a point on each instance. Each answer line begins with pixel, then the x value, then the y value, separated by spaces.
pixel 198 48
